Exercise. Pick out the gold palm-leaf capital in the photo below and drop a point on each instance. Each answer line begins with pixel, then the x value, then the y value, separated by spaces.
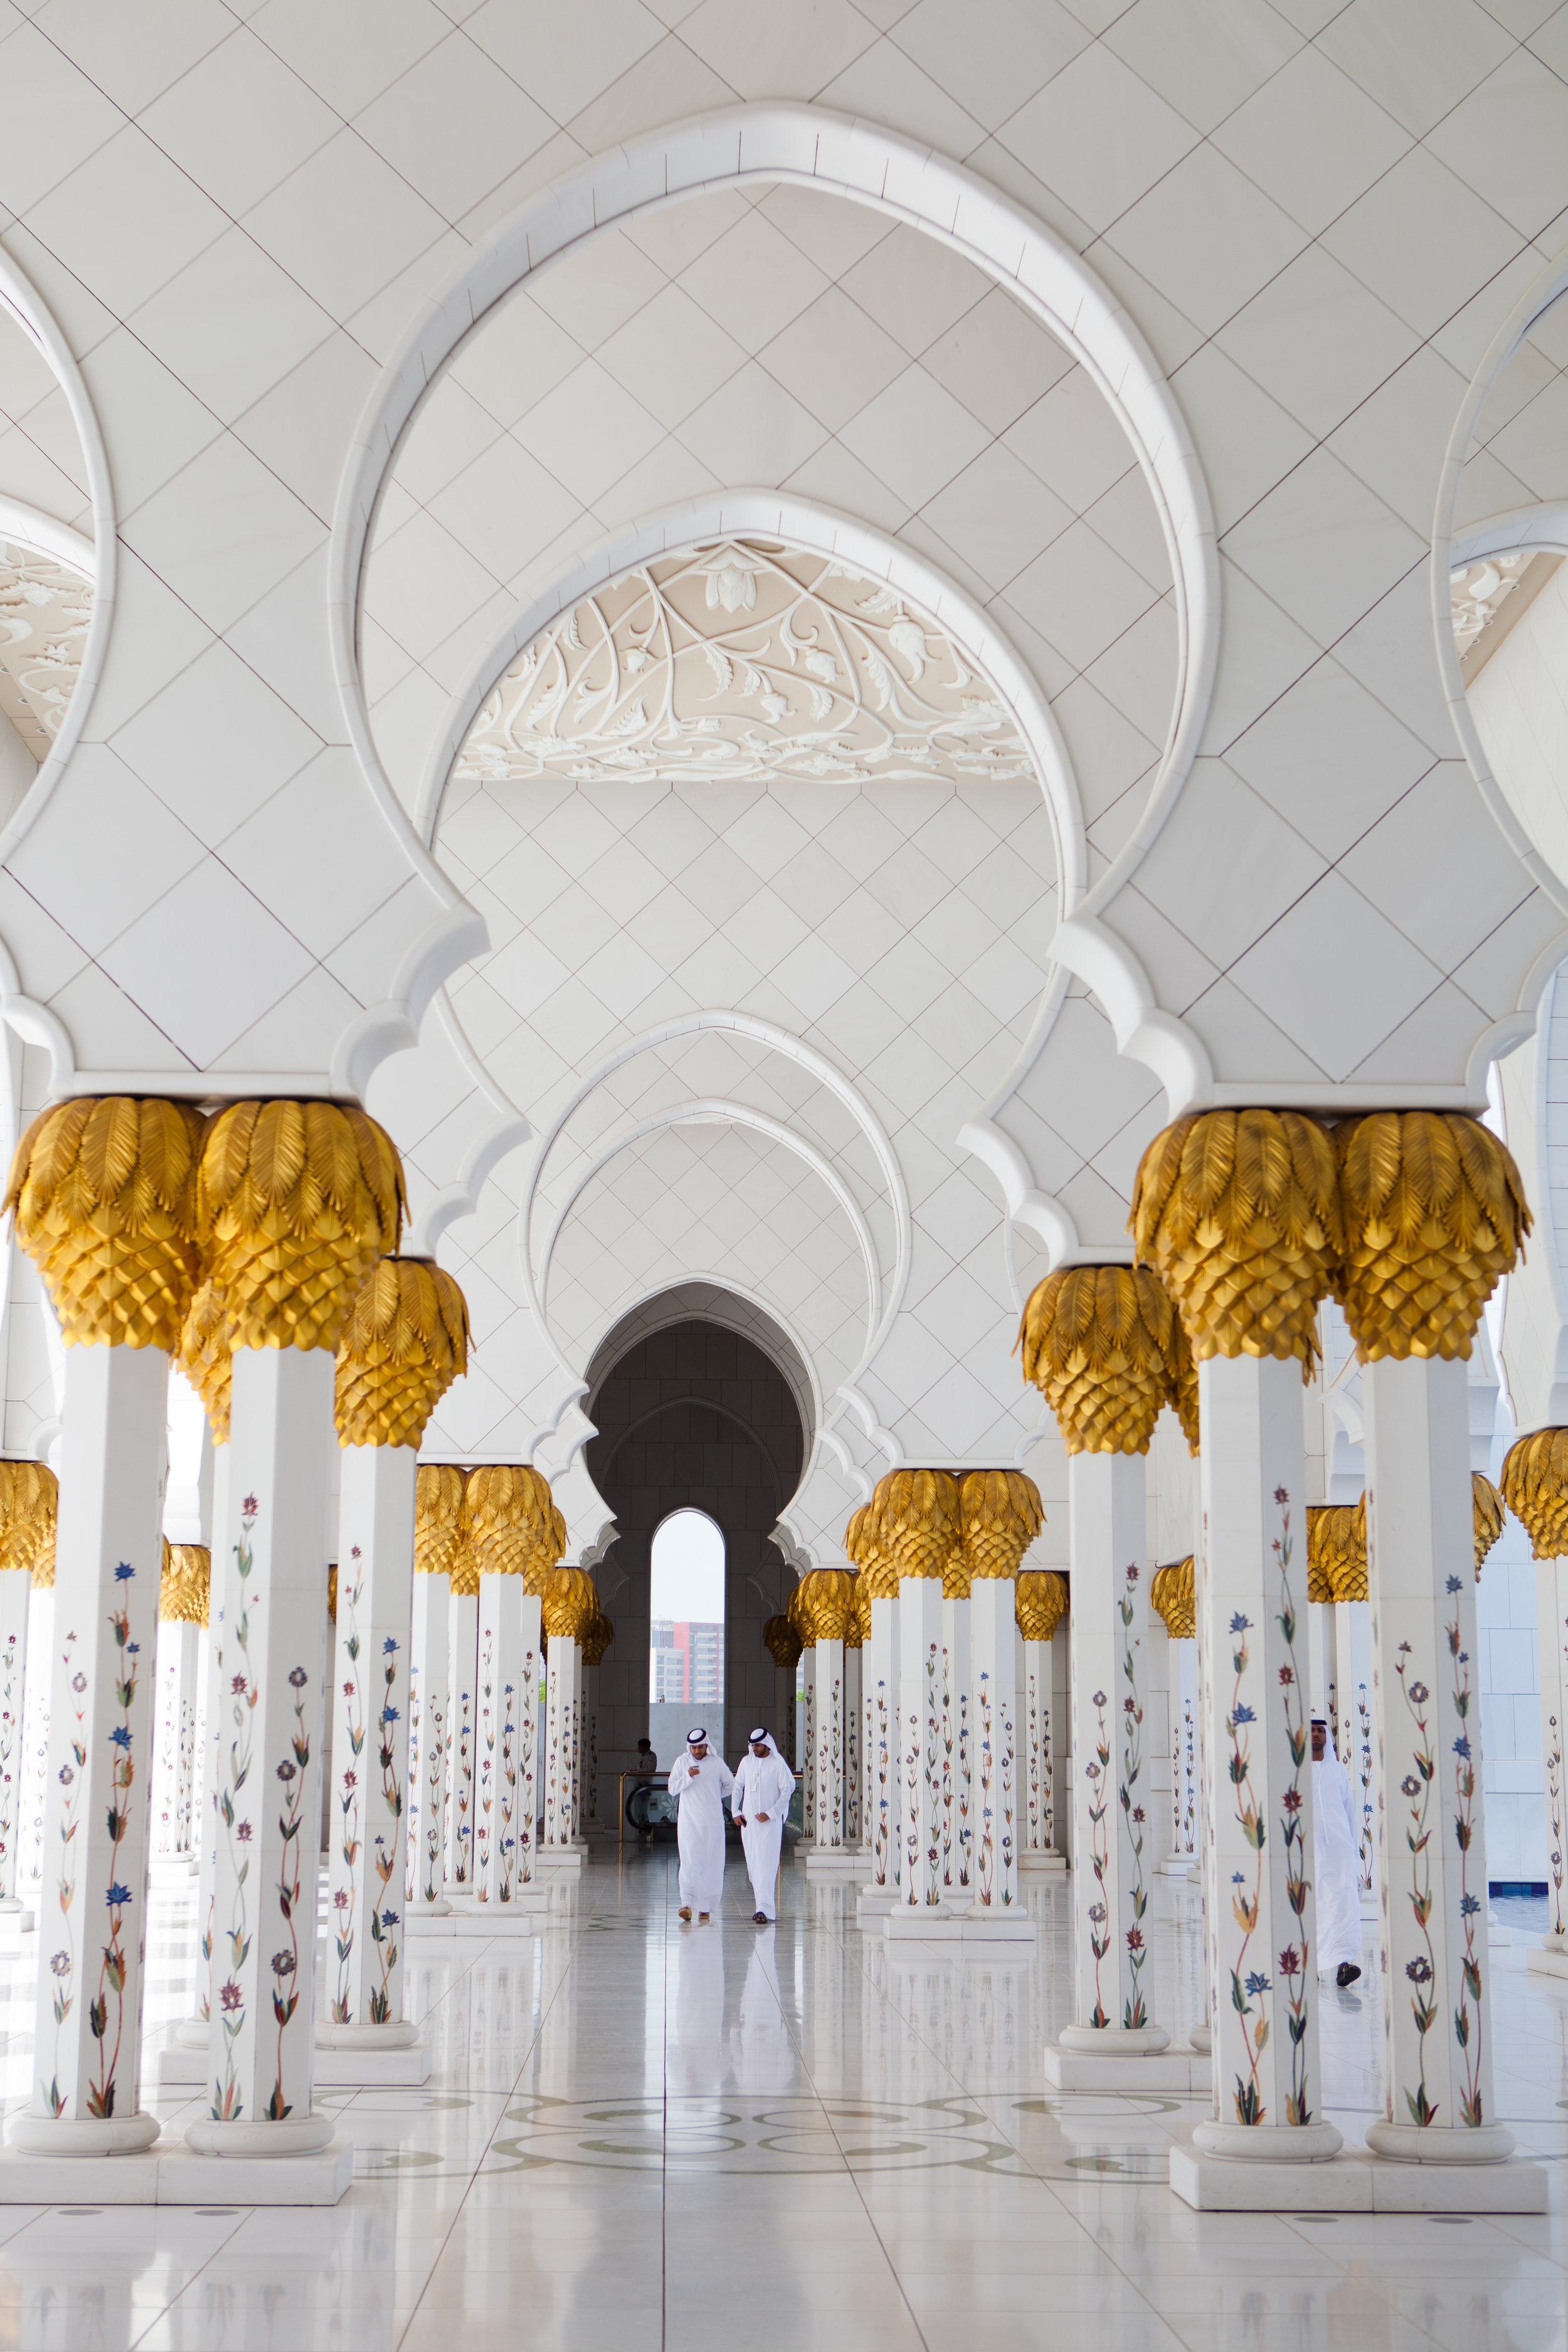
pixel 1098 1342
pixel 506 1517
pixel 296 1201
pixel 1535 1488
pixel 405 1342
pixel 1488 1513
pixel 104 1194
pixel 1173 1595
pixel 825 1597
pixel 29 1515
pixel 185 1589
pixel 437 1517
pixel 781 1639
pixel 863 1545
pixel 1001 1514
pixel 205 1357
pixel 1434 1215
pixel 1039 1604
pixel 1238 1213
pixel 570 1603
pixel 919 1522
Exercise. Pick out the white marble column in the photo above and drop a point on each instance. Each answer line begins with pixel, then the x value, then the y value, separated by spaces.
pixel 34 1776
pixel 506 1746
pixel 854 1734
pixel 828 1776
pixel 192 2033
pixel 560 1688
pixel 920 1751
pixel 880 1672
pixel 429 1705
pixel 1112 1785
pixel 366 1816
pixel 1438 2103
pixel 15 1593
pixel 1552 1619
pixel 1257 1834
pixel 957 1811
pixel 1035 1753
pixel 992 1634
pixel 462 1718
pixel 86 2066
pixel 808 1736
pixel 175 1799
pixel 261 2051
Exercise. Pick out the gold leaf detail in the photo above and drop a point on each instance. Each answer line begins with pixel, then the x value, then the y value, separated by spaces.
pixel 1040 1603
pixel 205 1355
pixel 1173 1595
pixel 29 1514
pixel 863 1547
pixel 296 1201
pixel 437 1518
pixel 782 1640
pixel 570 1603
pixel 104 1191
pixel 823 1601
pixel 1487 1516
pixel 185 1586
pixel 1099 1341
pixel 1535 1488
pixel 1001 1515
pixel 405 1342
pixel 1435 1214
pixel 918 1523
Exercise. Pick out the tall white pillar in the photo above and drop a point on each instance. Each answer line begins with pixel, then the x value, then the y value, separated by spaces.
pixel 994 1876
pixel 86 2094
pixel 919 1752
pixel 880 1672
pixel 808 1743
pixel 854 1735
pixel 505 1744
pixel 462 1719
pixel 192 2033
pixel 429 1705
pixel 1437 2096
pixel 29 1504
pixel 34 1775
pixel 366 1815
pixel 1113 1857
pixel 181 1725
pixel 957 1810
pixel 1552 1619
pixel 561 1689
pixel 261 2050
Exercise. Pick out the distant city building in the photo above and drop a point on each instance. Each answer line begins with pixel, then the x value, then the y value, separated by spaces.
pixel 685 1663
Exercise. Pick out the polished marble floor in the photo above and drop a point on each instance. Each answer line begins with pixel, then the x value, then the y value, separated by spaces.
pixel 640 2135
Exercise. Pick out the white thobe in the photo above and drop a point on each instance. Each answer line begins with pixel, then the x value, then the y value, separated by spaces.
pixel 701 1789
pixel 763 1784
pixel 1336 1866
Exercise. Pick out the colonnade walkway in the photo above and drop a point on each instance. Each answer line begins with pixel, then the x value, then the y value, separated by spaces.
pixel 639 2134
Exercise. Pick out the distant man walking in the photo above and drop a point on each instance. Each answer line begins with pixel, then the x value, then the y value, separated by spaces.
pixel 1336 1863
pixel 763 1787
pixel 700 1780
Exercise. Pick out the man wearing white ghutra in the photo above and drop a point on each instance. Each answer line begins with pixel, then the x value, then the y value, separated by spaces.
pixel 700 1781
pixel 763 1787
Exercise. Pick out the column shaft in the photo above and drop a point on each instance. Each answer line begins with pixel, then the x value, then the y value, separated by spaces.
pixel 92 1890
pixel 920 1743
pixel 992 1634
pixel 463 1645
pixel 261 2046
pixel 1257 1836
pixel 36 1739
pixel 1034 1745
pixel 1552 1617
pixel 367 1825
pixel 507 1680
pixel 808 1731
pixel 16 1591
pixel 883 1776
pixel 428 1701
pixel 957 1748
pixel 828 1777
pixel 560 1707
pixel 175 1766
pixel 853 1743
pixel 1112 1856
pixel 1437 2091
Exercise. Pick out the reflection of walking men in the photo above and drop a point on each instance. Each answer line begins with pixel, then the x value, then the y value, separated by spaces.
pixel 701 1781
pixel 763 1787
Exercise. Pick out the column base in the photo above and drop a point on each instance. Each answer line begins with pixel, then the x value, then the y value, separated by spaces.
pixel 439 1909
pixel 169 1869
pixel 16 1921
pixel 1408 2144
pixel 960 1922
pixel 175 2176
pixel 1202 2038
pixel 1042 1865
pixel 1114 2058
pixel 523 1915
pixel 1175 1865
pixel 1551 1960
pixel 1355 2183
pixel 191 2034
pixel 559 1861
pixel 834 1862
pixel 92 2136
pixel 353 2068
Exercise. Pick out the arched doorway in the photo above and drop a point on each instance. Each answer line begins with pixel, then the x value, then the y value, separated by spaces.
pixel 685 1634
pixel 697 1417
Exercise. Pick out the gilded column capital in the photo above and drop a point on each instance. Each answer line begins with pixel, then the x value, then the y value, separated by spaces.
pixel 405 1342
pixel 1001 1514
pixel 1098 1342
pixel 1173 1595
pixel 781 1639
pixel 104 1192
pixel 185 1587
pixel 863 1546
pixel 569 1603
pixel 1435 1214
pixel 824 1597
pixel 29 1513
pixel 1040 1603
pixel 1238 1213
pixel 1336 1551
pixel 598 1639
pixel 858 1631
pixel 437 1518
pixel 512 1524
pixel 1535 1488
pixel 205 1357
pixel 296 1201
pixel 920 1524
pixel 1488 1513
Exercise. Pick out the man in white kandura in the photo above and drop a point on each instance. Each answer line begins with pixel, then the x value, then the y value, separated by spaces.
pixel 1336 1863
pixel 700 1781
pixel 763 1787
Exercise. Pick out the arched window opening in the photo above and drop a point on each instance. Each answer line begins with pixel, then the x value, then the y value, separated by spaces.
pixel 686 1633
